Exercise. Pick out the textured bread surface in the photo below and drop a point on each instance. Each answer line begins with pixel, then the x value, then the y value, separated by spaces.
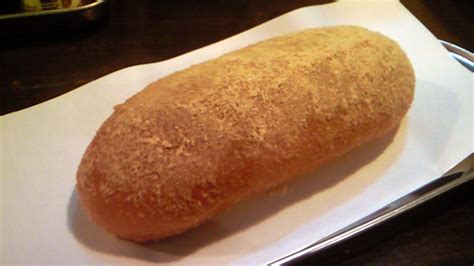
pixel 198 141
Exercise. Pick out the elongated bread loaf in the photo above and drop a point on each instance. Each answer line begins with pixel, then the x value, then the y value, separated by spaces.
pixel 200 140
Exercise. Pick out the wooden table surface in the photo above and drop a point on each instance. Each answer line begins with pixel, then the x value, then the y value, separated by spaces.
pixel 44 65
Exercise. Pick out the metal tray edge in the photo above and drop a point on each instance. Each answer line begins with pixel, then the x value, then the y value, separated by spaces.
pixel 402 205
pixel 455 177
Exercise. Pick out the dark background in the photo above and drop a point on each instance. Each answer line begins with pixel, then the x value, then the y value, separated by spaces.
pixel 40 60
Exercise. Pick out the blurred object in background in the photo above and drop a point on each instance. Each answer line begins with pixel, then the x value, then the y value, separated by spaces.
pixel 39 5
pixel 22 8
pixel 33 22
pixel 10 7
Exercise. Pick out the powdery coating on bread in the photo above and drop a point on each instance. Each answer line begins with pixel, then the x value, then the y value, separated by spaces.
pixel 200 140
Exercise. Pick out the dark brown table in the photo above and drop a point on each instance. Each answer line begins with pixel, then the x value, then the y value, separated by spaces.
pixel 35 67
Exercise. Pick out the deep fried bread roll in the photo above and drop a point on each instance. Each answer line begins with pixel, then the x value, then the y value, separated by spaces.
pixel 200 140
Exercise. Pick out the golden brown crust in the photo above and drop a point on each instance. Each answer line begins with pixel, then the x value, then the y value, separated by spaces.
pixel 200 140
